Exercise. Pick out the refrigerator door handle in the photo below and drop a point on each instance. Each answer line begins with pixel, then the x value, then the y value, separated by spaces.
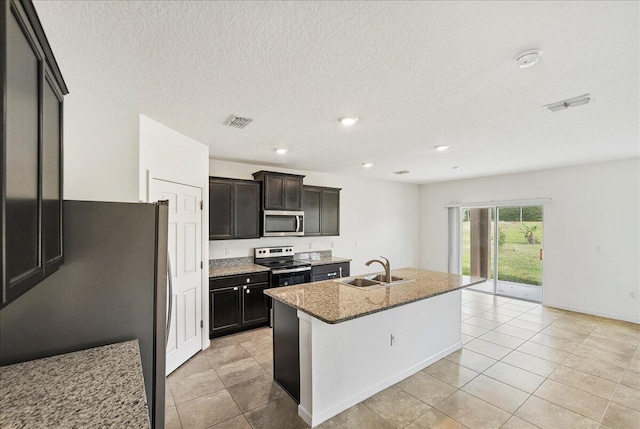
pixel 170 309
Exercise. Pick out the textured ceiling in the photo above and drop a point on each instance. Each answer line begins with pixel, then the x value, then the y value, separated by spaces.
pixel 417 74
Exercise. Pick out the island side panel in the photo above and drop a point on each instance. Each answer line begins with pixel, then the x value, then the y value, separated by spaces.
pixel 286 349
pixel 356 359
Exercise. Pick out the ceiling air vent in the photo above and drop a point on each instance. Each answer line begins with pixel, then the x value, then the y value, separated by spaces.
pixel 401 172
pixel 237 121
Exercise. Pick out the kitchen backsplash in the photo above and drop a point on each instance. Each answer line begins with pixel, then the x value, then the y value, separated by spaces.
pixel 247 260
pixel 313 255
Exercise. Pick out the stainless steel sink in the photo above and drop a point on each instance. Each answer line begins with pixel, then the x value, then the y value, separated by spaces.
pixel 373 281
pixel 383 279
pixel 360 282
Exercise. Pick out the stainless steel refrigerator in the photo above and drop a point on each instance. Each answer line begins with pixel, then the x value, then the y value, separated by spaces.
pixel 111 288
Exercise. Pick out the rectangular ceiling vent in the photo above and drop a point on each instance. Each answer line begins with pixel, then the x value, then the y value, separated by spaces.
pixel 401 172
pixel 237 121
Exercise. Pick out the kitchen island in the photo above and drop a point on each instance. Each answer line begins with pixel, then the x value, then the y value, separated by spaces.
pixel 336 345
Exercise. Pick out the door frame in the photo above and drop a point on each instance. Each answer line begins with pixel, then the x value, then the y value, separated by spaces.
pixel 204 252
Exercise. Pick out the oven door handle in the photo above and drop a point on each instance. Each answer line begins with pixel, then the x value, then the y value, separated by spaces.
pixel 291 270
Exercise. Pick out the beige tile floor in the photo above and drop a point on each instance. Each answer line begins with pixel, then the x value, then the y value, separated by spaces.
pixel 522 366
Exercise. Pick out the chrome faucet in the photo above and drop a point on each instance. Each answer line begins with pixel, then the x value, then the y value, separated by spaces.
pixel 386 265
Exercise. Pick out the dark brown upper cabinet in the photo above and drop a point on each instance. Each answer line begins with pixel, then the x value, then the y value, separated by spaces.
pixel 234 209
pixel 31 178
pixel 280 191
pixel 321 211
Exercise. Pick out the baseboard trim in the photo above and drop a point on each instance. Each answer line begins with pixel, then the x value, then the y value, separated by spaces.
pixel 305 415
pixel 592 312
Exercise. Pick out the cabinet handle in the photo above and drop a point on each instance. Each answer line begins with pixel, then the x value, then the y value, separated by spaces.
pixel 244 287
pixel 248 280
pixel 235 288
pixel 333 274
pixel 248 290
pixel 340 272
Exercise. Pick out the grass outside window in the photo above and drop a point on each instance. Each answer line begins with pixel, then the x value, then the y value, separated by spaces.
pixel 518 260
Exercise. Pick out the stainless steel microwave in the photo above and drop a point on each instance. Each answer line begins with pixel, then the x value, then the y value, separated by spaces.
pixel 278 223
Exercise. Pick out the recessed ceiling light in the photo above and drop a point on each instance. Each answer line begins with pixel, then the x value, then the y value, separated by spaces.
pixel 457 167
pixel 348 120
pixel 401 172
pixel 528 58
pixel 571 102
pixel 367 164
pixel 282 151
pixel 442 147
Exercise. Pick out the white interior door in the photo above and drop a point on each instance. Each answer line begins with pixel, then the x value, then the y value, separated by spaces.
pixel 185 248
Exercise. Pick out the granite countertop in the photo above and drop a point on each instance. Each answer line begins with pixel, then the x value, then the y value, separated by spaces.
pixel 333 302
pixel 98 387
pixel 325 260
pixel 236 269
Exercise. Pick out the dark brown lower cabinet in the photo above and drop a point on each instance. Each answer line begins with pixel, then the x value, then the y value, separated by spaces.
pixel 224 308
pixel 286 349
pixel 237 303
pixel 255 304
pixel 330 271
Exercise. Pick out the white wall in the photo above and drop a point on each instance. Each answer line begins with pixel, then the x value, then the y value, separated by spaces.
pixel 165 150
pixel 376 218
pixel 100 152
pixel 593 207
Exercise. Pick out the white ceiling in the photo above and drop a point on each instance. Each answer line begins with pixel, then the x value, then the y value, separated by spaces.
pixel 417 74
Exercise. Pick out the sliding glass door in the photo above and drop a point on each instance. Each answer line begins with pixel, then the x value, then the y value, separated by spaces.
pixel 520 252
pixel 508 253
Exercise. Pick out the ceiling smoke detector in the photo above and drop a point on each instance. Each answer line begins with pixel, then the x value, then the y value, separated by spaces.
pixel 401 172
pixel 237 121
pixel 571 102
pixel 528 58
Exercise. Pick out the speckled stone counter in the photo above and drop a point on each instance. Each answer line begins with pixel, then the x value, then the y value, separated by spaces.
pixel 98 388
pixel 325 260
pixel 236 270
pixel 333 302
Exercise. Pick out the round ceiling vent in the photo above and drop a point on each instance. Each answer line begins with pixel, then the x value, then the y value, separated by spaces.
pixel 528 58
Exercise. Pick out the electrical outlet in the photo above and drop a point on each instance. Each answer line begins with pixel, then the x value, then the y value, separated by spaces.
pixel 309 245
pixel 633 294
pixel 333 244
pixel 226 251
pixel 355 244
